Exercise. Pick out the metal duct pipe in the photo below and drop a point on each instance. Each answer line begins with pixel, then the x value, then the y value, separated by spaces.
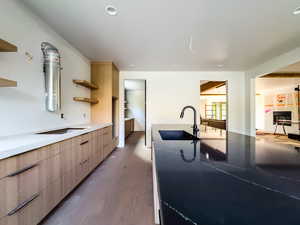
pixel 52 72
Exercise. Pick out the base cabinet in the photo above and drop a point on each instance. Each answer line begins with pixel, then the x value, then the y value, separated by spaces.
pixel 33 183
pixel 129 127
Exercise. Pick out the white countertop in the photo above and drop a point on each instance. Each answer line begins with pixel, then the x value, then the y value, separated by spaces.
pixel 129 118
pixel 17 144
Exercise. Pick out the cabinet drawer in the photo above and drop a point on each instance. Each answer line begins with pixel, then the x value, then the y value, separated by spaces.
pixel 28 212
pixel 68 155
pixel 48 151
pixel 107 131
pixel 85 138
pixel 18 187
pixel 16 163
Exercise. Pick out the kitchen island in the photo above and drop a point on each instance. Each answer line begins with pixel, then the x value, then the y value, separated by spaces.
pixel 233 181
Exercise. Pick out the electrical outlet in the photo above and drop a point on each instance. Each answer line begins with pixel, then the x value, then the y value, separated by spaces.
pixel 29 57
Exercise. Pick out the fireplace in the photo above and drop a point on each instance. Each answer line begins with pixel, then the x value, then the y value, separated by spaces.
pixel 282 115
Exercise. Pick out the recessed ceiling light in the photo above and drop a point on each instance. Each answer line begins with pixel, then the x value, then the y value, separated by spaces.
pixel 296 11
pixel 111 10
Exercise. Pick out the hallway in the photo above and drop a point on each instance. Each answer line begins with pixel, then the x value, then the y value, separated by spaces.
pixel 118 192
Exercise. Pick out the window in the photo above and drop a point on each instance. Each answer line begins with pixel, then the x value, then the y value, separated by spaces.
pixel 217 111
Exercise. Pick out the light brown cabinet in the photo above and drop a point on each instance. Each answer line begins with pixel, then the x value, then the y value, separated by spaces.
pixel 33 183
pixel 129 127
pixel 106 76
pixel 115 74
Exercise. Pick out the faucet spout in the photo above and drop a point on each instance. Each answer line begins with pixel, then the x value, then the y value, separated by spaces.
pixel 195 127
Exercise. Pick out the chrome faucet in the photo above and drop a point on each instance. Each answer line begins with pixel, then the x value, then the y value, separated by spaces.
pixel 195 127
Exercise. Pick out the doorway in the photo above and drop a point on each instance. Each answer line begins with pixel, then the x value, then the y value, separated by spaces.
pixel 277 112
pixel 213 109
pixel 135 107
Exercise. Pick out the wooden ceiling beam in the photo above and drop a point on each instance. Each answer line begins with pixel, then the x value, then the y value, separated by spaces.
pixel 281 75
pixel 211 85
pixel 213 94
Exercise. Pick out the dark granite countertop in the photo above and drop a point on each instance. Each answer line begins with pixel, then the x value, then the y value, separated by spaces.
pixel 238 181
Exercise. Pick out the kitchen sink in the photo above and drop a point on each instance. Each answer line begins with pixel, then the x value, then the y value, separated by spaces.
pixel 176 135
pixel 62 131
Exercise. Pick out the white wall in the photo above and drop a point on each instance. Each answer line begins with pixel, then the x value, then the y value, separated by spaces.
pixel 260 112
pixel 168 92
pixel 272 105
pixel 136 108
pixel 22 108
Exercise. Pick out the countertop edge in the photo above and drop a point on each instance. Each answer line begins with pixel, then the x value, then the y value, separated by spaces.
pixel 49 139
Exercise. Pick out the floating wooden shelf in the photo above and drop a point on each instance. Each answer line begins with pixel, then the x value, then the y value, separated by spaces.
pixel 7 83
pixel 85 83
pixel 7 47
pixel 89 100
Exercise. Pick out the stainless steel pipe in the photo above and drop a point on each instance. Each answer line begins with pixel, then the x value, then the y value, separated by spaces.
pixel 52 72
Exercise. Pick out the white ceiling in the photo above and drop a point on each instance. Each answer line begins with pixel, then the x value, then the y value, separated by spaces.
pixel 271 84
pixel 176 34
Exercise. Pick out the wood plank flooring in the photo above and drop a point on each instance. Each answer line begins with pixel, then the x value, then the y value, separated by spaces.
pixel 118 192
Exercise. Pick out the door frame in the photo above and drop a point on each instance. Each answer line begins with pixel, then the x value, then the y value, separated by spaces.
pixel 145 105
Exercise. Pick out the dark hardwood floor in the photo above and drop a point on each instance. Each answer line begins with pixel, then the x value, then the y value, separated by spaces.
pixel 118 192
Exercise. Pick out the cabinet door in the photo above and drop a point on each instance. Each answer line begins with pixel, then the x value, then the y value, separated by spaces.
pixel 50 168
pixel 131 125
pixel 107 141
pixel 51 196
pixel 127 128
pixel 100 146
pixel 69 155
pixel 94 159
pixel 69 181
pixel 115 74
pixel 97 153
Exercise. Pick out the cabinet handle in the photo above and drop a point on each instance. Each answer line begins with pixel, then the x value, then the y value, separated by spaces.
pixel 22 170
pixel 22 205
pixel 84 142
